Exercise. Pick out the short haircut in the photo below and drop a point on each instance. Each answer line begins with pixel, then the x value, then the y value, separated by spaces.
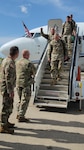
pixel 25 52
pixel 71 15
pixel 68 17
pixel 14 50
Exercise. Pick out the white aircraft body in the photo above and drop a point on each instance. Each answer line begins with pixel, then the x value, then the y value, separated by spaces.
pixel 35 45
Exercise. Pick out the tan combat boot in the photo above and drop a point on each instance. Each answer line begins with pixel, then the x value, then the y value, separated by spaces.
pixel 23 119
pixel 6 130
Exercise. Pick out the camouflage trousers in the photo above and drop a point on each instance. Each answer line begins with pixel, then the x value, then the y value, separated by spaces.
pixel 67 40
pixel 7 107
pixel 56 68
pixel 24 95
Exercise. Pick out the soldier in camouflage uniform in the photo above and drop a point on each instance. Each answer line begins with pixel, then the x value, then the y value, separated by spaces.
pixel 49 36
pixel 67 33
pixel 25 72
pixel 74 28
pixel 56 56
pixel 8 79
pixel 73 22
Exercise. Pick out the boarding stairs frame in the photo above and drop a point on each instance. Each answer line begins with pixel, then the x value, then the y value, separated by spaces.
pixel 56 102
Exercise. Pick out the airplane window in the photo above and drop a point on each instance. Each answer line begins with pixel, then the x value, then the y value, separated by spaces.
pixel 28 36
pixel 37 35
pixel 32 34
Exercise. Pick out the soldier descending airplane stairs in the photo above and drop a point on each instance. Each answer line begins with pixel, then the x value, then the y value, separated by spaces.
pixel 63 91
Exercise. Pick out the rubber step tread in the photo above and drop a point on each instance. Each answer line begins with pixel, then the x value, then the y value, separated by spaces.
pixel 57 104
pixel 52 97
pixel 53 87
pixel 48 81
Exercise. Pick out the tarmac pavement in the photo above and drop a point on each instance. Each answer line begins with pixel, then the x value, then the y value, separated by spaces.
pixel 48 129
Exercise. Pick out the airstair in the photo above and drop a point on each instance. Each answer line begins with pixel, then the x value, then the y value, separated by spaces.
pixel 65 90
pixel 53 95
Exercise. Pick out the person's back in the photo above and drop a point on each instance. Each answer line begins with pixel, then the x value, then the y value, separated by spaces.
pixel 24 71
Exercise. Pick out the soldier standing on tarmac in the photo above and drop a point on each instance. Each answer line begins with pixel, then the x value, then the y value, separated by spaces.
pixel 25 72
pixel 8 78
pixel 56 54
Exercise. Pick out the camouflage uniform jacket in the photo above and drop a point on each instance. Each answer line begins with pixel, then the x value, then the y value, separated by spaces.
pixel 24 72
pixel 55 50
pixel 49 37
pixel 67 28
pixel 8 75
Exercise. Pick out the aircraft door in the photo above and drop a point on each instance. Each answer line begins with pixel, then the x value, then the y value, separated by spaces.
pixel 57 24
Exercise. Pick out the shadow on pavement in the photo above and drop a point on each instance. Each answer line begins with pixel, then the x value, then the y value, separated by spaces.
pixel 73 108
pixel 55 135
pixel 20 146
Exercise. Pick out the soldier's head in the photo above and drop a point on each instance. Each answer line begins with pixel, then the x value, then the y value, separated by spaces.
pixel 68 18
pixel 26 54
pixel 14 52
pixel 71 16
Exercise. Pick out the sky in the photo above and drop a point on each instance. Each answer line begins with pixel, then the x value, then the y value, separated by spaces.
pixel 34 13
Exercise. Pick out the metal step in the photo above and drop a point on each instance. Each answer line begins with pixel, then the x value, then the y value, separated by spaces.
pixel 67 63
pixel 53 95
pixel 50 93
pixel 57 104
pixel 65 72
pixel 54 87
pixel 48 76
pixel 66 69
pixel 48 81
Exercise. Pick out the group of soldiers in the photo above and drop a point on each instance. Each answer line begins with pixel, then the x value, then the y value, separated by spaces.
pixel 59 47
pixel 20 74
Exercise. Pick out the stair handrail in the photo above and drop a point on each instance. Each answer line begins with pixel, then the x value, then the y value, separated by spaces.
pixel 42 55
pixel 40 70
pixel 73 63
